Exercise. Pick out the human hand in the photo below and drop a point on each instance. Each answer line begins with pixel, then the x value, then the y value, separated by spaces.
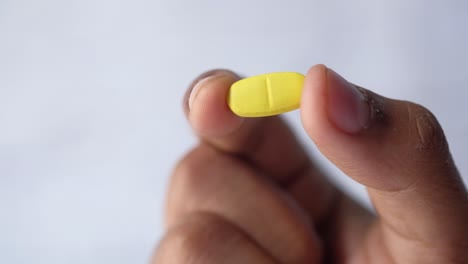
pixel 248 193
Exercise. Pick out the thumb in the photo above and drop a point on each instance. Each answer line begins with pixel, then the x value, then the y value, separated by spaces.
pixel 398 150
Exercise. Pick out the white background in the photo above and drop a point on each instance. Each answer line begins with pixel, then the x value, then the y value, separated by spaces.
pixel 90 100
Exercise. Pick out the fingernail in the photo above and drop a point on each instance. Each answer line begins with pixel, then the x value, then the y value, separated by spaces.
pixel 198 86
pixel 347 106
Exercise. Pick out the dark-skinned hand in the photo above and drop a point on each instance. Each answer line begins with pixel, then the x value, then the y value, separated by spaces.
pixel 248 192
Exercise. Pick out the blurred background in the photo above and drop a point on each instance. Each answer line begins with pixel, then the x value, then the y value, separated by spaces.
pixel 91 122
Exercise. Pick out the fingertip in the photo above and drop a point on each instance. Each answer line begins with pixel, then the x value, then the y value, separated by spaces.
pixel 317 69
pixel 206 106
pixel 313 114
pixel 200 77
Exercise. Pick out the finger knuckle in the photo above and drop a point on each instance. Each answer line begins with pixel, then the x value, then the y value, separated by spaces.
pixel 304 250
pixel 195 179
pixel 190 170
pixel 200 237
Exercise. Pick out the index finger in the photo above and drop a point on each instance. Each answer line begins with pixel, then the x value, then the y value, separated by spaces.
pixel 266 143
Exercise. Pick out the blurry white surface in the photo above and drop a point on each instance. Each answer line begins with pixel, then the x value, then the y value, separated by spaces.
pixel 90 100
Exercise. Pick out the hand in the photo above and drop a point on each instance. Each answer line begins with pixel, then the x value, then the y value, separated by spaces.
pixel 248 193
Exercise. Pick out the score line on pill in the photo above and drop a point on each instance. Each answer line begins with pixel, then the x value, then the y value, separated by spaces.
pixel 266 94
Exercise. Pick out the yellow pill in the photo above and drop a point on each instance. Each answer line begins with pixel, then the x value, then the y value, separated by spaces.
pixel 266 95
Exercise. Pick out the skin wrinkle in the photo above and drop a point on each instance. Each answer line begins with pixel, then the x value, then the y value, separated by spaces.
pixel 412 237
pixel 384 241
pixel 395 162
pixel 209 218
pixel 241 231
pixel 417 243
pixel 404 235
pixel 423 123
pixel 430 135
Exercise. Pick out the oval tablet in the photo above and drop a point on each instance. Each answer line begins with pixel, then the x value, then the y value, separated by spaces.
pixel 266 94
